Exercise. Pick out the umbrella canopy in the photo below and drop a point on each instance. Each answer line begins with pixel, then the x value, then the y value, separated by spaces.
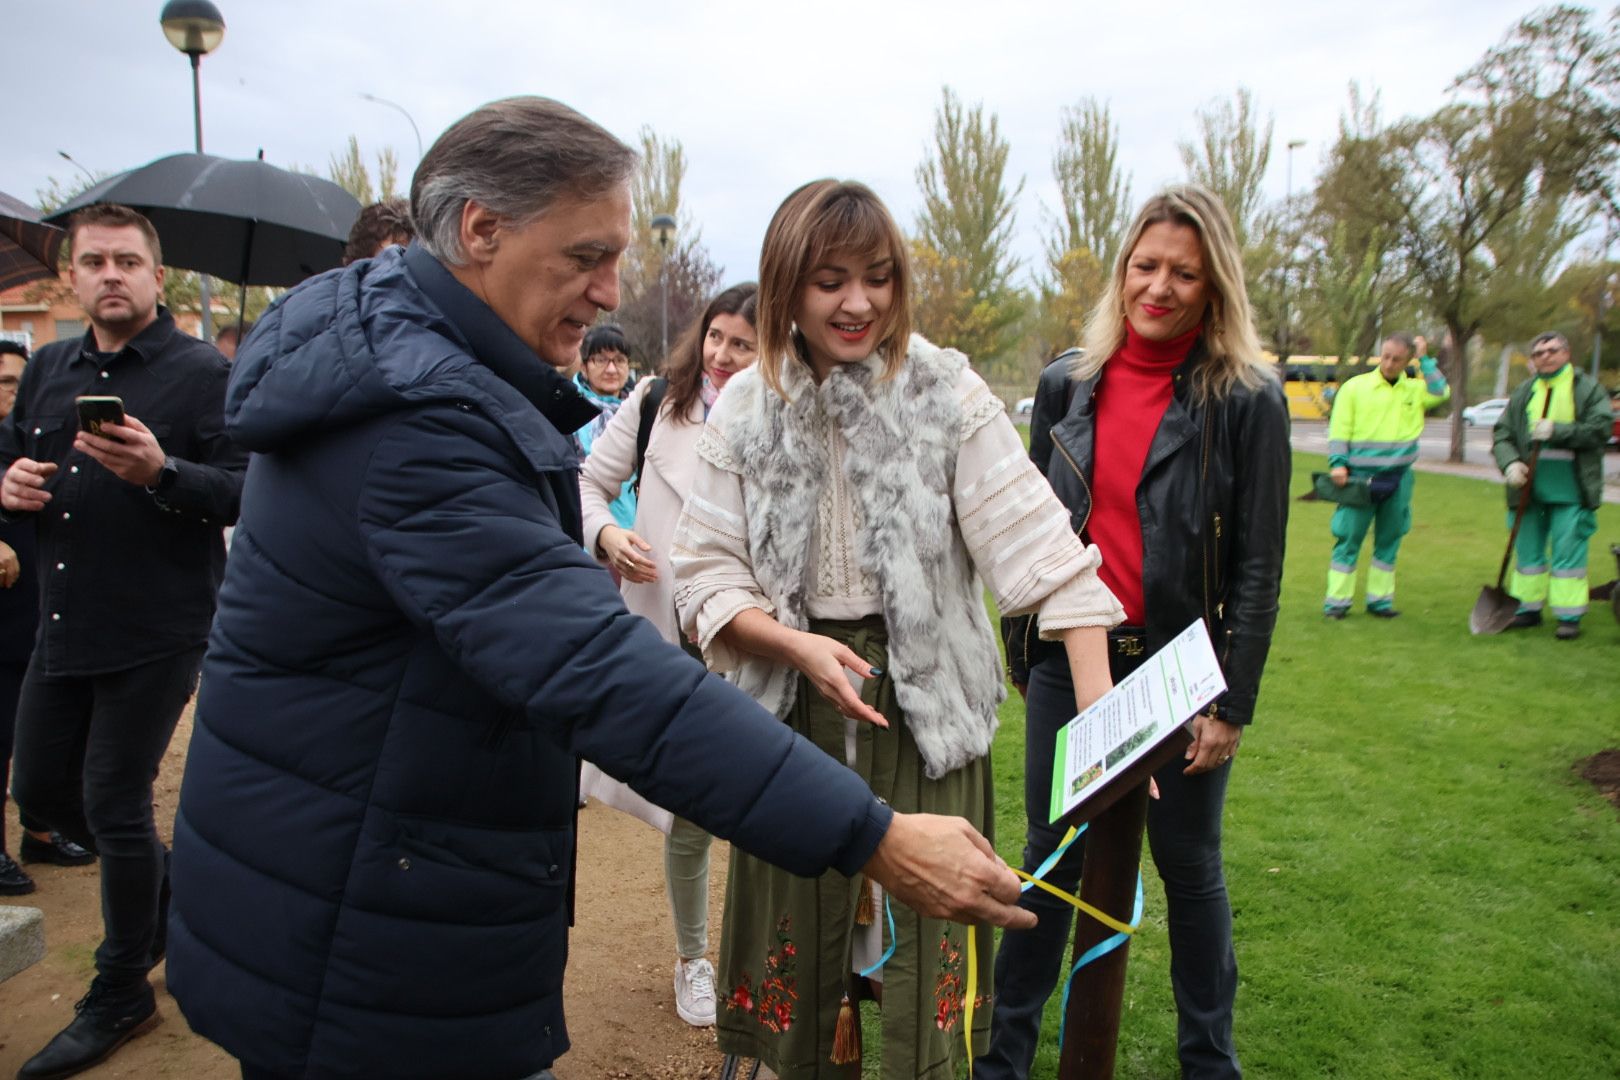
pixel 244 221
pixel 28 247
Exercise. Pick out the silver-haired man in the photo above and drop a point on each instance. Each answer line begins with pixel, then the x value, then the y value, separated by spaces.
pixel 373 852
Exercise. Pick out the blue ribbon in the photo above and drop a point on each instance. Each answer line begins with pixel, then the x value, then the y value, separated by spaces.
pixel 1103 947
pixel 893 941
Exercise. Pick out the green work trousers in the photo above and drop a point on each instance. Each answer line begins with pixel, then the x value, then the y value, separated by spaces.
pixel 1549 564
pixel 1390 520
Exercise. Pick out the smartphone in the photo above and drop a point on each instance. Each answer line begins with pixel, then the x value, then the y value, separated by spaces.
pixel 95 411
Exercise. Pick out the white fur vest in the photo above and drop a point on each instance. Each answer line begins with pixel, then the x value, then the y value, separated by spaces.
pixel 902 438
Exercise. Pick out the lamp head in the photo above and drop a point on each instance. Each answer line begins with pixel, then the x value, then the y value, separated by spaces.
pixel 195 27
pixel 663 230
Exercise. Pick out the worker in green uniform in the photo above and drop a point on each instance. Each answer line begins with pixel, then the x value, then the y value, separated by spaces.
pixel 1568 413
pixel 1373 436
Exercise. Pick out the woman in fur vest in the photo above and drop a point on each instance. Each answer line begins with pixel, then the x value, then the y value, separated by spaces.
pixel 854 488
pixel 1169 447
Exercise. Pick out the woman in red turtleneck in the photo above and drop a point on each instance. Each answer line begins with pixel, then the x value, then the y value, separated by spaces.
pixel 1171 454
pixel 1132 394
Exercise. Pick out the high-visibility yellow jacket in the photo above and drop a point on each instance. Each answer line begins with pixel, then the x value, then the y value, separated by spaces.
pixel 1376 423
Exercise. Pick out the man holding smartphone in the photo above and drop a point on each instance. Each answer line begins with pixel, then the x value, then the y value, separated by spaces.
pixel 129 525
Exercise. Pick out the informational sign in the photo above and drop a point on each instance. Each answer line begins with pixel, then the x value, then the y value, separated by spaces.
pixel 1142 711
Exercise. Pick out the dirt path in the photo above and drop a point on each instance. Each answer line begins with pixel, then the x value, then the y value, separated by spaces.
pixel 621 1013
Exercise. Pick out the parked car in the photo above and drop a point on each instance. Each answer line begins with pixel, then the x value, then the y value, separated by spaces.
pixel 1485 413
pixel 1024 408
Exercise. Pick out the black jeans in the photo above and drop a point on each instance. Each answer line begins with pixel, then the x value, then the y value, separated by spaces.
pixel 11 677
pixel 1184 835
pixel 88 749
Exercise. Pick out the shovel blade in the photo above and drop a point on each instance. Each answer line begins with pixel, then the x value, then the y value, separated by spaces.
pixel 1493 611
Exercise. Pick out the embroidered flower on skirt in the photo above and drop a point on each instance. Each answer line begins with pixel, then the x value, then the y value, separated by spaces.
pixel 772 1002
pixel 950 988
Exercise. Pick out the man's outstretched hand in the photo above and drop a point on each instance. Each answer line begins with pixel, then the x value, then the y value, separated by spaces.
pixel 942 868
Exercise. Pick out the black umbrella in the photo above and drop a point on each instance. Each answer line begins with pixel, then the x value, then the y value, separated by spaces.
pixel 28 247
pixel 244 221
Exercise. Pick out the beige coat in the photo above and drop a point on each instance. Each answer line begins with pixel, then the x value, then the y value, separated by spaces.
pixel 667 475
pixel 671 465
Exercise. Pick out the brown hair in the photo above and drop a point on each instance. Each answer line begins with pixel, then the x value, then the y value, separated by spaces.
pixel 114 216
pixel 377 226
pixel 1228 328
pixel 684 368
pixel 819 221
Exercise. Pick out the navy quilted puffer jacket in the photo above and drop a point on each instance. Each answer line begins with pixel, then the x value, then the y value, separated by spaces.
pixel 375 834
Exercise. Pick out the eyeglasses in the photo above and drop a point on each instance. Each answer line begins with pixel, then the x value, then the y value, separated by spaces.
pixel 609 360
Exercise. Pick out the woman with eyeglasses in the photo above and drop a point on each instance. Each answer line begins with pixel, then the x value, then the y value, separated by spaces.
pixel 603 377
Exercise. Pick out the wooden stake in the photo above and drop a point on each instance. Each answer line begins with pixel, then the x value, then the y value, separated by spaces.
pixel 1118 816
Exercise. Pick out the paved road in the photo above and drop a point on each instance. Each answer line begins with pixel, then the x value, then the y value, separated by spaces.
pixel 1435 447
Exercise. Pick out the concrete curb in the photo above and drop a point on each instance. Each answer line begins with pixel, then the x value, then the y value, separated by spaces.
pixel 22 939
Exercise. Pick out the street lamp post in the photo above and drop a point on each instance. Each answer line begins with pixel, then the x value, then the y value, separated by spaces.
pixel 1602 303
pixel 663 228
pixel 73 161
pixel 1288 258
pixel 375 100
pixel 196 28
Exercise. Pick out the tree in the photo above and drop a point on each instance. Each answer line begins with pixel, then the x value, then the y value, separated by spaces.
pixel 1084 235
pixel 693 280
pixel 1533 124
pixel 692 275
pixel 1588 295
pixel 1065 302
pixel 1094 190
pixel 1519 299
pixel 1230 158
pixel 1555 79
pixel 963 244
pixel 1347 290
pixel 1353 280
pixel 1463 179
pixel 348 171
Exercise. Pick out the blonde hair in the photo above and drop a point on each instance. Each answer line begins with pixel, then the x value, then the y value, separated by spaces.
pixel 1233 347
pixel 820 221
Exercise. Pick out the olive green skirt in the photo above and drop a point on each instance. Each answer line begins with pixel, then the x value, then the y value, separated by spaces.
pixel 786 944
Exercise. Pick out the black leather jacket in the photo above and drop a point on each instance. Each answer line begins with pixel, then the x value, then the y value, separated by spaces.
pixel 1213 501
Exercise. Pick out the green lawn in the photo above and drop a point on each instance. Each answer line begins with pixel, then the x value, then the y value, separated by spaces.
pixel 1421 885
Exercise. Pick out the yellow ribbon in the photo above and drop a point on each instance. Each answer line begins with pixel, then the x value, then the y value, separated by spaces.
pixel 972 988
pixel 1067 897
pixel 1102 917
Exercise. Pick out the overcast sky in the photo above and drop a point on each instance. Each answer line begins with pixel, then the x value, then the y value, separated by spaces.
pixel 763 96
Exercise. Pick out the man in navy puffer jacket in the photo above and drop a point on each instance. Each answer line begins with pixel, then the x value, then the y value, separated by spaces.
pixel 374 844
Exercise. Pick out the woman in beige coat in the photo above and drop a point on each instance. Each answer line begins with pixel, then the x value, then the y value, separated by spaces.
pixel 717 346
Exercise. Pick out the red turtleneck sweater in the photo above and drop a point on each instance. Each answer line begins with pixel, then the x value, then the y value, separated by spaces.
pixel 1131 397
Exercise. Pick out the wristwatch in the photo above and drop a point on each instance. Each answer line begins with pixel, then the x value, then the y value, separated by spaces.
pixel 166 477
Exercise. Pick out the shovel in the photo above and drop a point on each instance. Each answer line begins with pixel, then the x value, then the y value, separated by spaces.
pixel 1494 610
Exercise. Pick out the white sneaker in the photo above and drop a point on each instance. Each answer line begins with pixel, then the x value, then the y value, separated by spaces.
pixel 694 992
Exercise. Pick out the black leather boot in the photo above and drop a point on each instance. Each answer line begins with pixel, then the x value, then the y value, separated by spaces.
pixel 109 1016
